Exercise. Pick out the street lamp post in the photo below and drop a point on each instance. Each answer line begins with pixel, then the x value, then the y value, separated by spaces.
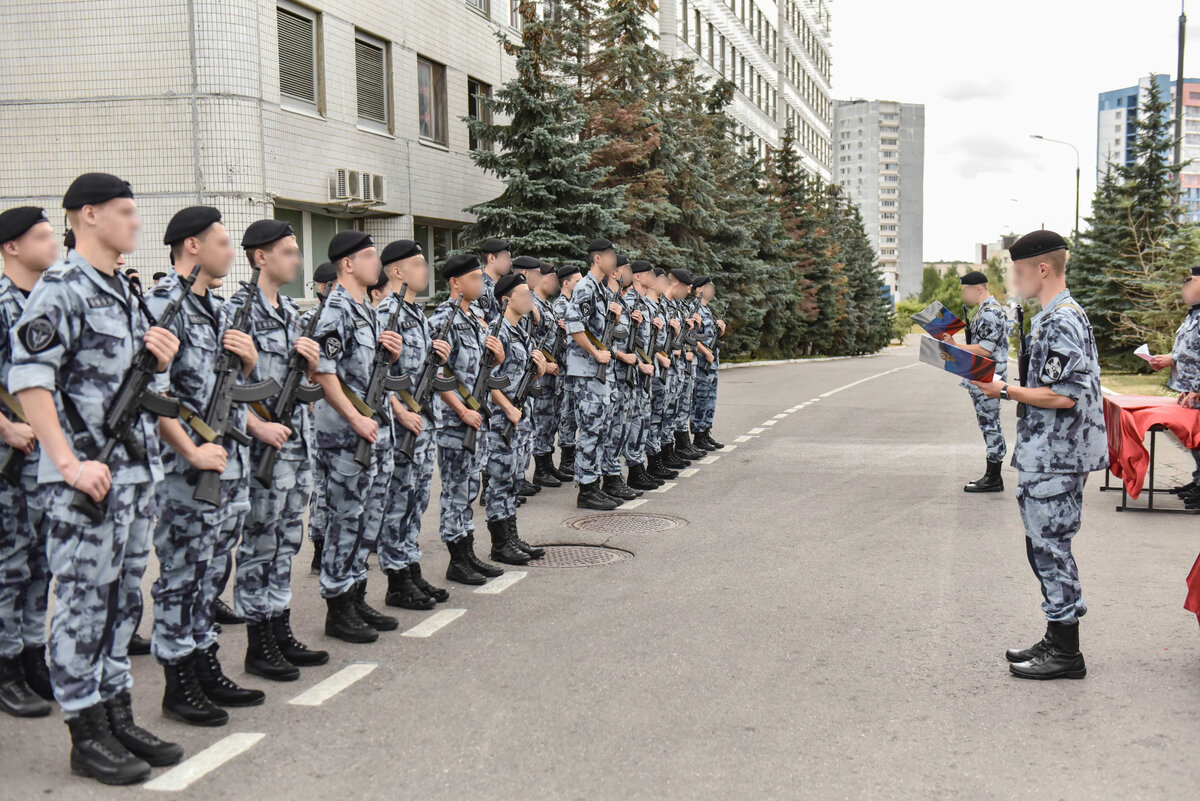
pixel 1068 144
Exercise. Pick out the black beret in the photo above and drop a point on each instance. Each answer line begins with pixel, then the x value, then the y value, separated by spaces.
pixel 1038 243
pixel 598 244
pixel 701 280
pixel 325 273
pixel 264 232
pixel 1196 271
pixel 189 222
pixel 159 276
pixel 459 265
pixel 400 249
pixel 567 270
pixel 347 243
pixel 526 263
pixel 508 283
pixel 546 267
pixel 14 223
pixel 680 274
pixel 973 278
pixel 493 246
pixel 640 266
pixel 92 188
pixel 622 260
pixel 659 272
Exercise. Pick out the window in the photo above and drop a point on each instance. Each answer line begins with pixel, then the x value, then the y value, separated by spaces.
pixel 297 55
pixel 514 14
pixel 696 19
pixel 482 6
pixel 437 239
pixel 371 76
pixel 711 49
pixel 313 232
pixel 683 20
pixel 477 110
pixel 431 97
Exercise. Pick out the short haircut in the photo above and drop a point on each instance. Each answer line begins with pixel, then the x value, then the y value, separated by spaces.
pixel 177 248
pixel 1057 259
pixel 266 248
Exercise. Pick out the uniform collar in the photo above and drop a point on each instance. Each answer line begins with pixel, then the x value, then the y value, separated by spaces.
pixel 1061 297
pixel 73 258
pixel 281 313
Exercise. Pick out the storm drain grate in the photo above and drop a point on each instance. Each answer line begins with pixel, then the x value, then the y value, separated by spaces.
pixel 625 523
pixel 579 556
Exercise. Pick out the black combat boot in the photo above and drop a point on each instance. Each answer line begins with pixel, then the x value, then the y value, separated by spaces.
pixel 138 645
pixel 683 447
pixel 263 657
pixel 1184 488
pixel 226 616
pixel 591 497
pixel 566 463
pixel 659 470
pixel 616 487
pixel 373 618
pixel 639 479
pixel 139 742
pixel 403 592
pixel 1062 659
pixel 560 473
pixel 460 568
pixel 503 549
pixel 17 698
pixel 699 442
pixel 98 754
pixel 525 489
pixel 343 621
pixel 483 485
pixel 991 481
pixel 318 547
pixel 534 551
pixel 292 649
pixel 543 471
pixel 488 570
pixel 436 593
pixel 1025 654
pixel 37 675
pixel 184 699
pixel 670 460
pixel 217 686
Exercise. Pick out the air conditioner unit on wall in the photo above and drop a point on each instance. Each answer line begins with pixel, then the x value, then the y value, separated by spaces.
pixel 374 188
pixel 345 184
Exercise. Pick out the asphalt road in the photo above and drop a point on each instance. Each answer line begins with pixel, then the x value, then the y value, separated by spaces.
pixel 827 621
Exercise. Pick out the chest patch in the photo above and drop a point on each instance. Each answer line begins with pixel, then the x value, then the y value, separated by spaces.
pixel 100 301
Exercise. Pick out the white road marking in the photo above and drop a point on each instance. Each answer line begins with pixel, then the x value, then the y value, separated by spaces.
pixel 321 692
pixel 434 622
pixel 664 487
pixel 629 505
pixel 742 438
pixel 768 423
pixel 712 457
pixel 756 431
pixel 728 448
pixel 216 755
pixel 868 378
pixel 691 471
pixel 510 577
pixel 814 400
pixel 781 416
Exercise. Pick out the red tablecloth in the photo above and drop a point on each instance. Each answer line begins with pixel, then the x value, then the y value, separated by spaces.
pixel 1128 418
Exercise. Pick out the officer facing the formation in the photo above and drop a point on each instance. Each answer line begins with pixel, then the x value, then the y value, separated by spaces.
pixel 71 350
pixel 1184 361
pixel 704 397
pixel 324 278
pixel 1060 439
pixel 28 247
pixel 988 338
pixel 194 539
pixel 274 527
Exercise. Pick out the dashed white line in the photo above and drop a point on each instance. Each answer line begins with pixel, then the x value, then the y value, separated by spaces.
pixel 217 754
pixel 510 577
pixel 434 622
pixel 664 487
pixel 691 471
pixel 742 438
pixel 712 457
pixel 768 422
pixel 756 431
pixel 321 692
pixel 781 416
pixel 728 448
pixel 868 378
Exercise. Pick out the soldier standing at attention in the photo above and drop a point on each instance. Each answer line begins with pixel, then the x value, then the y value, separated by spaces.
pixel 704 396
pixel 545 406
pixel 568 276
pixel 408 494
pixel 1060 439
pixel 1184 361
pixel 621 398
pixel 324 277
pixel 641 275
pixel 28 247
pixel 194 539
pixel 458 467
pixel 989 338
pixel 497 263
pixel 274 529
pixel 534 325
pixel 348 331
pixel 657 348
pixel 71 350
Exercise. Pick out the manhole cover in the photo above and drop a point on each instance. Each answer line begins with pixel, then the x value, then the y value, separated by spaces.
pixel 579 556
pixel 625 523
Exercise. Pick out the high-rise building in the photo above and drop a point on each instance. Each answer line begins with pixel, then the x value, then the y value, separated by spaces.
pixel 1116 131
pixel 777 54
pixel 879 161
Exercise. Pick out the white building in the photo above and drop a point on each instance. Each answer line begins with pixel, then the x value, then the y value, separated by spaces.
pixel 880 164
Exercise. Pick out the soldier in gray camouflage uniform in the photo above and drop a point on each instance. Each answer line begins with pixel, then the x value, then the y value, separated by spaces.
pixel 704 395
pixel 637 425
pixel 324 277
pixel 1060 439
pixel 655 445
pixel 348 331
pixel 569 276
pixel 545 406
pixel 28 246
pixel 496 259
pixel 1184 361
pixel 71 350
pixel 621 403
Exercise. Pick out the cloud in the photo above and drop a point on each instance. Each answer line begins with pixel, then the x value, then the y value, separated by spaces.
pixel 979 154
pixel 975 89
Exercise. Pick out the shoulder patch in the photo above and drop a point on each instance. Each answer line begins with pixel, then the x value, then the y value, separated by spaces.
pixel 332 346
pixel 38 334
pixel 1055 364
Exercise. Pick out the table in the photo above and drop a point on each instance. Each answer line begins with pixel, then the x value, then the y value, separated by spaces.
pixel 1128 418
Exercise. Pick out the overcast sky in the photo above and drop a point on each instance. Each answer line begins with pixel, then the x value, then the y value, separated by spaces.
pixel 992 73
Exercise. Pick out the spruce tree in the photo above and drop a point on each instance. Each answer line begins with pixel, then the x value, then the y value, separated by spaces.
pixel 1097 259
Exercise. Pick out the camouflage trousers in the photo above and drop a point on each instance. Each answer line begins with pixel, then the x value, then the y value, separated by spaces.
pixel 683 406
pixel 568 427
pixel 987 412
pixel 637 425
pixel 408 498
pixel 675 382
pixel 593 401
pixel 704 396
pixel 271 536
pixel 1051 504
pixel 317 515
pixel 615 427
pixel 354 498
pixel 194 542
pixel 505 465
pixel 97 572
pixel 383 464
pixel 459 471
pixel 659 396
pixel 545 415
pixel 24 575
